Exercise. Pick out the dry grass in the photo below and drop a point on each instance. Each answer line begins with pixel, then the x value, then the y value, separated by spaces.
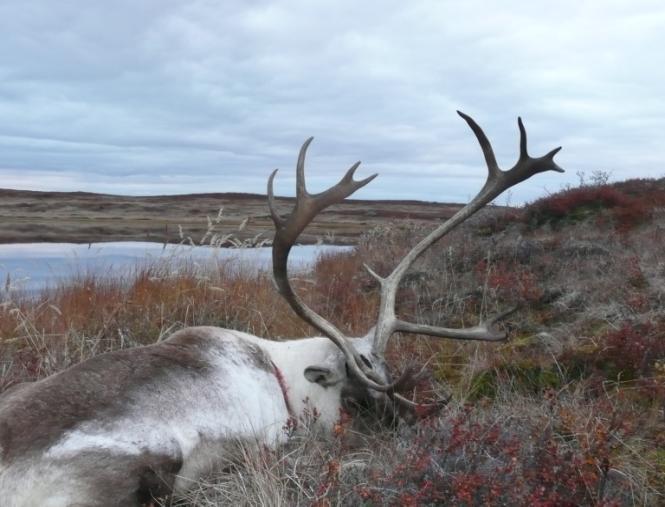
pixel 568 412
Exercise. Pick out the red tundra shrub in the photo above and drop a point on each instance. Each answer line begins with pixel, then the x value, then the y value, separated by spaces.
pixel 468 459
pixel 630 353
pixel 579 203
pixel 633 349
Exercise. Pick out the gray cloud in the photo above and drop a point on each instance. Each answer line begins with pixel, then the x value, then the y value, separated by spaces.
pixel 164 96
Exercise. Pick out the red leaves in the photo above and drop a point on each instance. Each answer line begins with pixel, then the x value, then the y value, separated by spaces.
pixel 466 460
pixel 578 203
pixel 634 348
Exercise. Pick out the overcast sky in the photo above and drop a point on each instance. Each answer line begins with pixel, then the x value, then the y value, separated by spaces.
pixel 165 96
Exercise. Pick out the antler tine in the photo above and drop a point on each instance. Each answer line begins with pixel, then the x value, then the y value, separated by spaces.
pixel 523 151
pixel 550 154
pixel 344 188
pixel 485 144
pixel 485 331
pixel 301 187
pixel 286 233
pixel 276 218
pixel 497 182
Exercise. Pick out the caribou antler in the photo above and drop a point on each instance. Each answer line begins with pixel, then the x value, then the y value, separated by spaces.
pixel 287 232
pixel 497 182
pixel 308 206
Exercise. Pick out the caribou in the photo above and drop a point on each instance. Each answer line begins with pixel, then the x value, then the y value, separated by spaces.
pixel 129 426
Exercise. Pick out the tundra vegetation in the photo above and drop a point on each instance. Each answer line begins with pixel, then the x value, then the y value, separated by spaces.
pixel 568 411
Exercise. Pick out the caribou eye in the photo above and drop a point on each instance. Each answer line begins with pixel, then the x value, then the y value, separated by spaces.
pixel 366 361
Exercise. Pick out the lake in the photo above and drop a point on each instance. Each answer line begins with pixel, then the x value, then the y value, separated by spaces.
pixel 34 266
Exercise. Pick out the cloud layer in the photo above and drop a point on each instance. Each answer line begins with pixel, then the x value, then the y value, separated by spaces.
pixel 165 96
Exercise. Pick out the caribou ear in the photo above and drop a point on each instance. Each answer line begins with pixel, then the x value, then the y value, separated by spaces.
pixel 322 375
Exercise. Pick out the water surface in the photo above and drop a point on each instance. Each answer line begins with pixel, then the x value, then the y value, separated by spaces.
pixel 34 266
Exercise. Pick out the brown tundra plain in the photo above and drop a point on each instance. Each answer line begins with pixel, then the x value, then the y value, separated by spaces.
pixel 567 411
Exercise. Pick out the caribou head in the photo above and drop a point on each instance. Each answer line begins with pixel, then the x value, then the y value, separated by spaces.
pixel 125 427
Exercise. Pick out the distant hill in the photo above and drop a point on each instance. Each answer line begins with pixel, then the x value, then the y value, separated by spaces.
pixel 83 217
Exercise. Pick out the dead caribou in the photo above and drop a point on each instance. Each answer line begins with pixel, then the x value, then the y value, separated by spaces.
pixel 124 427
